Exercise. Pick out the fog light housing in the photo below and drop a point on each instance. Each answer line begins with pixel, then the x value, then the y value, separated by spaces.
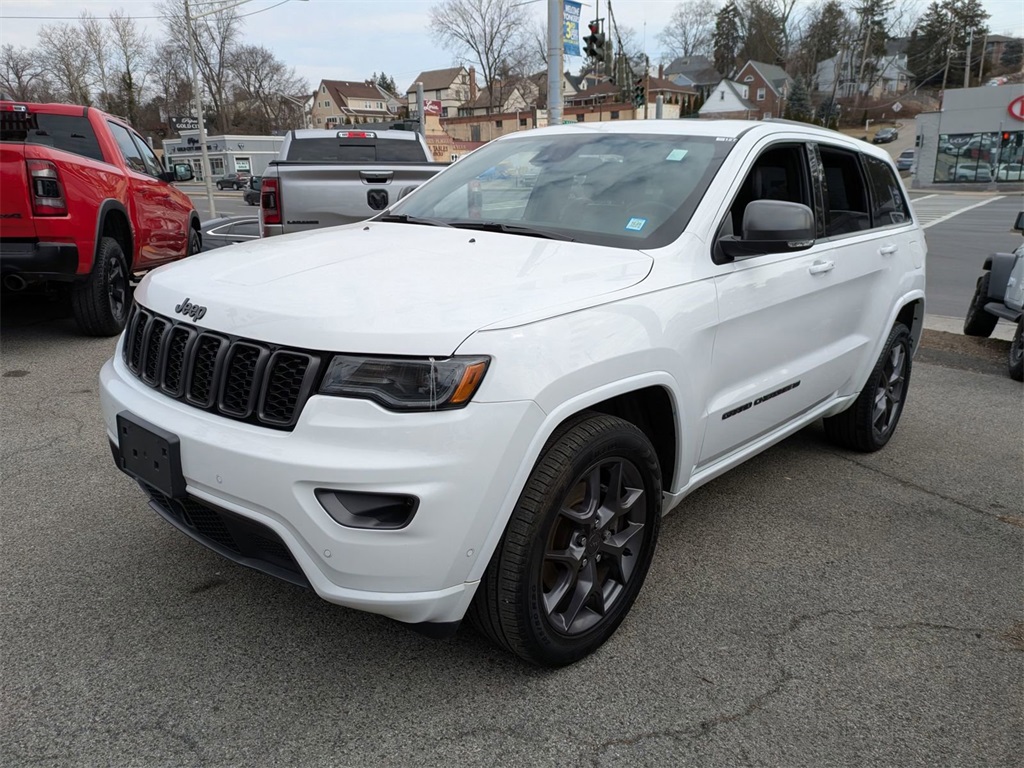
pixel 374 511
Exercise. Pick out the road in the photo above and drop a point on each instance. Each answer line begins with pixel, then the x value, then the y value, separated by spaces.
pixel 813 608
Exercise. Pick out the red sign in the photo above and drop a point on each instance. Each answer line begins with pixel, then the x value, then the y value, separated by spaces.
pixel 431 107
pixel 1016 108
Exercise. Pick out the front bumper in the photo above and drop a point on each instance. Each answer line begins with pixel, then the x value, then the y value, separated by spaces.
pixel 459 464
pixel 39 261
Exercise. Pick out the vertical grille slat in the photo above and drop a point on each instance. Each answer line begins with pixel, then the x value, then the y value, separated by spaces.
pixel 236 378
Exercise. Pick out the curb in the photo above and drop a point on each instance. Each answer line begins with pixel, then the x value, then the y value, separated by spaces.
pixel 1003 331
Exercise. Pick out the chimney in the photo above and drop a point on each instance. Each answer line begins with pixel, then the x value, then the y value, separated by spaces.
pixel 472 84
pixel 661 71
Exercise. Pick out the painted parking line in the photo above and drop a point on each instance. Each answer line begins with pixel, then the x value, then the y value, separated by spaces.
pixel 935 209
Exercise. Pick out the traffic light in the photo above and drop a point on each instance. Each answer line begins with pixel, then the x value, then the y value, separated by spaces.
pixel 590 41
pixel 639 95
pixel 599 47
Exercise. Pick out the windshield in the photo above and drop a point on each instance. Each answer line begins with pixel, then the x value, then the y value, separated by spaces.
pixel 622 190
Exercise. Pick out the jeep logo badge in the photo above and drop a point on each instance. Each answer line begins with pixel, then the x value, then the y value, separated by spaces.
pixel 189 309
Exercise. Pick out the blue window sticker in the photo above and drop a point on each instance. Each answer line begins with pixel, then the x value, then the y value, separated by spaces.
pixel 676 154
pixel 635 224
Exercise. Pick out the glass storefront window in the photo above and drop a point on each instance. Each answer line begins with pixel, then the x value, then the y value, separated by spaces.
pixel 980 157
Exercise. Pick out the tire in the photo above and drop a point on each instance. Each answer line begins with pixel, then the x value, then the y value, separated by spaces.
pixel 537 598
pixel 1015 362
pixel 100 304
pixel 195 242
pixel 219 187
pixel 978 322
pixel 868 424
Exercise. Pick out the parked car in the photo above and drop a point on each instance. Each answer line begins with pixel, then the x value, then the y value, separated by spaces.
pixel 885 135
pixel 906 160
pixel 481 401
pixel 981 172
pixel 87 206
pixel 230 230
pixel 1010 172
pixel 252 192
pixel 999 293
pixel 233 181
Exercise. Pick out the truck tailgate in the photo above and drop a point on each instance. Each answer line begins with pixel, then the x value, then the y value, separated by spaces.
pixel 15 209
pixel 325 195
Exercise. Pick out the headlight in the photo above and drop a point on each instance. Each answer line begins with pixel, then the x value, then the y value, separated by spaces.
pixel 406 383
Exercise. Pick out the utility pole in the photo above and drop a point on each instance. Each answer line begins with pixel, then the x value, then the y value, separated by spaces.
pixel 981 58
pixel 967 60
pixel 204 152
pixel 555 14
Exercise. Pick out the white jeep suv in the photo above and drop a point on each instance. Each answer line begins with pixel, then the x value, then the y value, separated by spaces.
pixel 482 401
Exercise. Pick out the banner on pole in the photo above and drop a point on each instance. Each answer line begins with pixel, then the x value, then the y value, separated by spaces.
pixel 571 28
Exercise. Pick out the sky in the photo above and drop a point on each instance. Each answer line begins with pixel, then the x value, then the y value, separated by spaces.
pixel 352 39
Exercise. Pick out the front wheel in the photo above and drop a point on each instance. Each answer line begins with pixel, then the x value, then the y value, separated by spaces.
pixel 195 241
pixel 578 546
pixel 868 424
pixel 978 322
pixel 100 304
pixel 1016 360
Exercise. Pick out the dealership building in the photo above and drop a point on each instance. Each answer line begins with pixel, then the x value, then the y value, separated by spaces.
pixel 977 137
pixel 228 154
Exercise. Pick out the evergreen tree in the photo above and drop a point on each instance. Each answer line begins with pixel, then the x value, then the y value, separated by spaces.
pixel 1013 54
pixel 828 29
pixel 938 52
pixel 728 38
pixel 764 36
pixel 386 82
pixel 799 106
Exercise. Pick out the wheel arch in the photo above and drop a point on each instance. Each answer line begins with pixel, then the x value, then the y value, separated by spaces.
pixel 113 221
pixel 648 401
pixel 196 224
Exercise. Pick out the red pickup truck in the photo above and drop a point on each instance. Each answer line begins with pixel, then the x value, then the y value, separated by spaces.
pixel 86 203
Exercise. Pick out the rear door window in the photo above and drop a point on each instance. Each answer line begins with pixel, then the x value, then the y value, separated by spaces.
pixel 888 205
pixel 846 195
pixel 130 152
pixel 69 133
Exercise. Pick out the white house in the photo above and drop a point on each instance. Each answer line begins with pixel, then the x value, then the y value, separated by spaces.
pixel 729 100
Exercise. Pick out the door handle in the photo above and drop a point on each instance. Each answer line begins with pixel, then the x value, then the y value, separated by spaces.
pixel 820 267
pixel 887 250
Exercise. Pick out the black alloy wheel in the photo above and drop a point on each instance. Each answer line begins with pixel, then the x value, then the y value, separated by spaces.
pixel 871 420
pixel 578 546
pixel 100 303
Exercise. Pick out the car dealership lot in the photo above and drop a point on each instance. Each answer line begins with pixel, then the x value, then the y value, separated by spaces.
pixel 816 607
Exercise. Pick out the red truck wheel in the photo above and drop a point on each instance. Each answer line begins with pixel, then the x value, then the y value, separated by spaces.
pixel 100 304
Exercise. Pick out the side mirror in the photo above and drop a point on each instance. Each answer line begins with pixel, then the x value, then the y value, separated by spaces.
pixel 405 191
pixel 771 226
pixel 183 172
pixel 1019 223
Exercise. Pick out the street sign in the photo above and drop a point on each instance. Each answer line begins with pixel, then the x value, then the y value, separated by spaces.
pixel 184 123
pixel 897 107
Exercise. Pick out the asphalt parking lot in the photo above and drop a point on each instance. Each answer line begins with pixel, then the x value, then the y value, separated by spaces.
pixel 812 608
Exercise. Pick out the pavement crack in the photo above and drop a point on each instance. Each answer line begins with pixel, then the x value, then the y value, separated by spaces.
pixel 913 486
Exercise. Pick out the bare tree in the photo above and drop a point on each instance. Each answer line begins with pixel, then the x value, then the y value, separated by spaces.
pixel 690 30
pixel 130 49
pixel 95 36
pixel 169 75
pixel 492 34
pixel 215 36
pixel 66 59
pixel 264 84
pixel 22 77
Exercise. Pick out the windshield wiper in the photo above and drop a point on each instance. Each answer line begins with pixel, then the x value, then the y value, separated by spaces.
pixel 512 229
pixel 404 218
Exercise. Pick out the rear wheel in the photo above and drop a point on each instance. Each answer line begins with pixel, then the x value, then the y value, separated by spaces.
pixel 195 241
pixel 1016 360
pixel 868 424
pixel 978 322
pixel 100 304
pixel 578 546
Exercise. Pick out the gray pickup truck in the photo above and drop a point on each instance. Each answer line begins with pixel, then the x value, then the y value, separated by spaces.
pixel 327 178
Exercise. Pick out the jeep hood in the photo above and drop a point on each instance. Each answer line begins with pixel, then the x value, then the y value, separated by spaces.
pixel 388 288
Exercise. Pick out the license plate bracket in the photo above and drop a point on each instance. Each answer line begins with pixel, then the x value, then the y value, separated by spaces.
pixel 150 454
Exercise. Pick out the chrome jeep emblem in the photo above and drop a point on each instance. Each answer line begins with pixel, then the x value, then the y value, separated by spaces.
pixel 189 309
